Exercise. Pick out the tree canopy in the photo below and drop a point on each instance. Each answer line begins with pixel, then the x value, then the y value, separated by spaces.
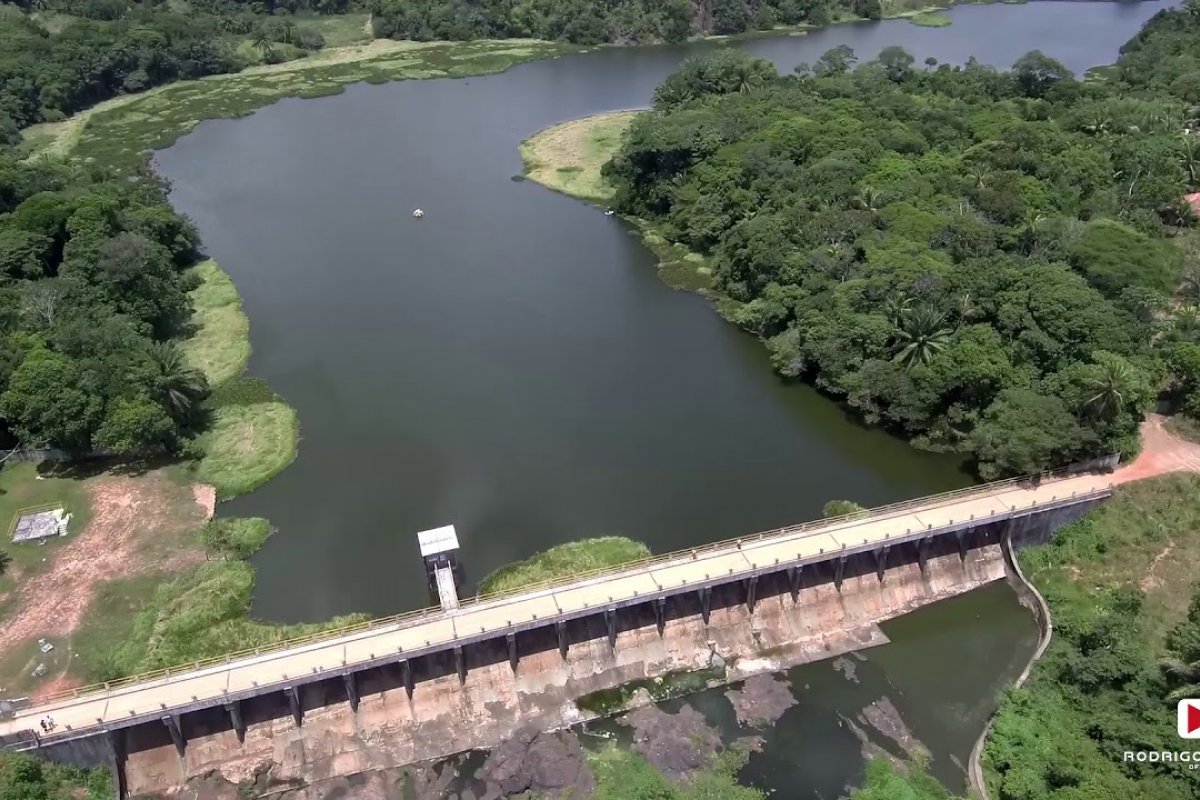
pixel 982 261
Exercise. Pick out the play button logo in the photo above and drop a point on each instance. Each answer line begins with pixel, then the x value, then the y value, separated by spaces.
pixel 1189 718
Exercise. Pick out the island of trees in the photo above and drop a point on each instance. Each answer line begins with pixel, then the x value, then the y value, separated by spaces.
pixel 999 264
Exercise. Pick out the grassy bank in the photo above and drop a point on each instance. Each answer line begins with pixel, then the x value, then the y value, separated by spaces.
pixel 220 346
pixel 1119 585
pixel 564 561
pixel 122 132
pixel 930 20
pixel 252 434
pixel 568 157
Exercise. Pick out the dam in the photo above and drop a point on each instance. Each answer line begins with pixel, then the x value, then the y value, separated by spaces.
pixel 466 677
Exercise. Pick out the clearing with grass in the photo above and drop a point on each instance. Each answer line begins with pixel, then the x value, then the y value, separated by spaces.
pixel 567 157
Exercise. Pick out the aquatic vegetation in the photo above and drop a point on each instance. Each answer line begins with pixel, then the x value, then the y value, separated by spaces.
pixel 564 561
pixel 247 445
pixel 220 345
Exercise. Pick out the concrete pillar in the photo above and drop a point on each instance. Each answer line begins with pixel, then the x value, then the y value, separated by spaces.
pixel 962 545
pixel 116 748
pixel 512 650
pixel 234 709
pixel 407 677
pixel 460 663
pixel 795 579
pixel 561 628
pixel 351 681
pixel 610 621
pixel 293 696
pixel 660 614
pixel 881 555
pixel 705 602
pixel 923 552
pixel 172 723
pixel 751 589
pixel 839 567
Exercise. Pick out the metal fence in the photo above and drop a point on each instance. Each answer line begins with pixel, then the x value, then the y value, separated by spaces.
pixel 807 528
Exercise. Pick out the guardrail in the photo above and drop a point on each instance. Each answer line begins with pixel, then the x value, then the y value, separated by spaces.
pixel 931 501
pixel 22 512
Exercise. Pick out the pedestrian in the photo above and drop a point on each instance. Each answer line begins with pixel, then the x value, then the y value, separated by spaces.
pixel 42 722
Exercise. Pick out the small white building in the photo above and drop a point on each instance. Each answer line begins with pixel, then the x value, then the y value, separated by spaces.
pixel 438 546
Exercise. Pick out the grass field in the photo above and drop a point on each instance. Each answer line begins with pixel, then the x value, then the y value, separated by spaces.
pixel 339 30
pixel 246 446
pixel 564 561
pixel 220 347
pixel 567 157
pixel 21 488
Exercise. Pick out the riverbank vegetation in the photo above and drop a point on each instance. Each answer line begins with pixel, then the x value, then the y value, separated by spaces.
pixel 1126 644
pixel 984 262
pixel 930 19
pixel 564 561
pixel 622 774
pixel 220 344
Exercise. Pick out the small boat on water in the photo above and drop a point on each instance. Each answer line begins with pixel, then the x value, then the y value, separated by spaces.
pixel 609 212
pixel 418 213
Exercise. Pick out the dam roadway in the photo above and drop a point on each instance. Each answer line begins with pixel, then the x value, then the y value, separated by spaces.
pixel 164 696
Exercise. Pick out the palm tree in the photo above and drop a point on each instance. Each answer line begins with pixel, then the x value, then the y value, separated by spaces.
pixel 967 308
pixel 1186 322
pixel 747 77
pixel 1106 390
pixel 180 387
pixel 895 306
pixel 1187 673
pixel 922 334
pixel 263 43
pixel 978 174
pixel 673 93
pixel 287 31
pixel 869 198
pixel 1189 156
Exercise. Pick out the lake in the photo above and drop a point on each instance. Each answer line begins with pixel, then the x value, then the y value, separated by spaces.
pixel 511 363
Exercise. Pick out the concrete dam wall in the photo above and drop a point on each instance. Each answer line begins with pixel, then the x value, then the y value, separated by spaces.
pixel 788 624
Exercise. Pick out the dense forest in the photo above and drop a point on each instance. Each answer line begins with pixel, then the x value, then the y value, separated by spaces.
pixel 60 56
pixel 92 290
pixel 1000 264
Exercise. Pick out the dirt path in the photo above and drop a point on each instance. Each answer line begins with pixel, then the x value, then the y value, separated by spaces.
pixel 1162 453
pixel 138 524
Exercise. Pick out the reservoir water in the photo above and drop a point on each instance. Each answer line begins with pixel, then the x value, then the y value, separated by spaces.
pixel 511 364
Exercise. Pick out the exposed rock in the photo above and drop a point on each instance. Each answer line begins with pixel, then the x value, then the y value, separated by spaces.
pixel 847 667
pixel 678 744
pixel 548 765
pixel 883 716
pixel 762 700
